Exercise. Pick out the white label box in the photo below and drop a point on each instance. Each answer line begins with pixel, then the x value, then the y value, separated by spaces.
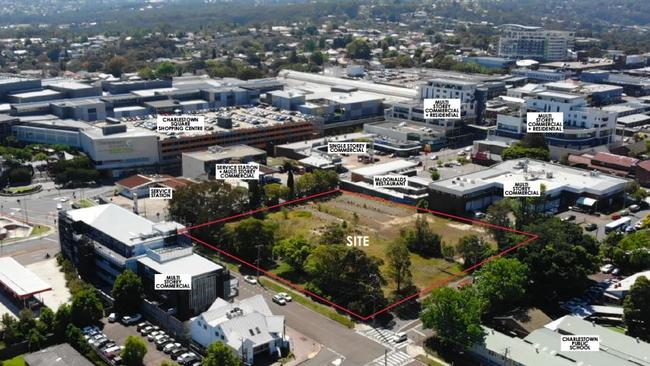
pixel 250 171
pixel 522 189
pixel 442 109
pixel 388 181
pixel 179 124
pixel 552 122
pixel 580 343
pixel 347 147
pixel 172 282
pixel 160 193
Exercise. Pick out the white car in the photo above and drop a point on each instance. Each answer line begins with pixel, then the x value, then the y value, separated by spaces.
pixel 286 296
pixel 279 300
pixel 607 268
pixel 399 337
pixel 433 157
pixel 112 317
pixel 251 280
pixel 63 199
pixel 59 207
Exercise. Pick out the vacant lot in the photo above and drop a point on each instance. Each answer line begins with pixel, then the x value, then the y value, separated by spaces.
pixel 381 221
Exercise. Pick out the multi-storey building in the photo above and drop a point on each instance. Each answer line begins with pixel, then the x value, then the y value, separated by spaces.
pixel 518 41
pixel 103 241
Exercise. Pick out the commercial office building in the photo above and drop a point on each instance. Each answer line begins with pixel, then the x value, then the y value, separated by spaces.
pixel 564 187
pixel 103 241
pixel 519 41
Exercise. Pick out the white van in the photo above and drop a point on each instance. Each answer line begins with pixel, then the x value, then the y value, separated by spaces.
pixel 113 351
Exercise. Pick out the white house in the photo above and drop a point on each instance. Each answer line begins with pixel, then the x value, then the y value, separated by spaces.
pixel 247 326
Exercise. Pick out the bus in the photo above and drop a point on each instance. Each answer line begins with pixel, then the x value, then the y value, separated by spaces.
pixel 619 224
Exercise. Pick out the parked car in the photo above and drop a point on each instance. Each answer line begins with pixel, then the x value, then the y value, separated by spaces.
pixel 146 330
pixel 591 226
pixel 634 208
pixel 433 157
pixel 616 271
pixel 479 215
pixel 286 296
pixel 131 319
pixel 250 279
pixel 569 218
pixel 607 268
pixel 151 335
pixel 279 300
pixel 160 343
pixel 112 317
pixel 142 325
pixel 169 347
pixel 177 352
pixel 624 213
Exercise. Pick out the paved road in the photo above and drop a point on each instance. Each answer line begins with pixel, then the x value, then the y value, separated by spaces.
pixel 339 342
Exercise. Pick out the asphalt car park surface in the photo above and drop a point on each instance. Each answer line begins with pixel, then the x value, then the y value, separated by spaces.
pixel 118 332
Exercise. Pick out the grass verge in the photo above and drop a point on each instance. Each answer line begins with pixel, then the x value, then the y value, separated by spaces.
pixel 16 361
pixel 298 297
pixel 427 361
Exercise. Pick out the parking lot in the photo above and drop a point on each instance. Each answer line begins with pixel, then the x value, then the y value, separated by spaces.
pixel 601 220
pixel 118 332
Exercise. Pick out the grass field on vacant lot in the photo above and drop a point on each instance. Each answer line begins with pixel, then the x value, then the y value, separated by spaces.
pixel 380 221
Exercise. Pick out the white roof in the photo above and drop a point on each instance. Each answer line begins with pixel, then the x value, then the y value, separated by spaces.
pixel 626 283
pixel 193 265
pixel 249 318
pixel 19 280
pixel 120 224
pixel 385 168
pixel 554 177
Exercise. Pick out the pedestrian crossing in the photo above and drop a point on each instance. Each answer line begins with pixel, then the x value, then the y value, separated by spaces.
pixel 392 358
pixel 383 336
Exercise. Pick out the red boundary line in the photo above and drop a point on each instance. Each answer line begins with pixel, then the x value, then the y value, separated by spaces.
pixel 531 237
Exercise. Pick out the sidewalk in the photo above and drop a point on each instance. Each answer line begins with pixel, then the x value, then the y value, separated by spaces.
pixel 414 350
pixel 303 347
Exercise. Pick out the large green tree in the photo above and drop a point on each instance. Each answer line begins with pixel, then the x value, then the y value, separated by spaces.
pixel 293 251
pixel 358 49
pixel 251 238
pixel 502 284
pixel 473 249
pixel 86 308
pixel 560 260
pixel 421 239
pixel 636 309
pixel 347 276
pixel 218 354
pixel 134 351
pixel 455 316
pixel 399 265
pixel 127 292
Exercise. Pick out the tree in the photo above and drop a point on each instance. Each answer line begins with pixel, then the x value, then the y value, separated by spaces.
pixel 218 354
pixel 11 334
pixel 502 284
pixel 45 321
pixel 127 292
pixel 560 260
pixel 358 49
pixel 435 175
pixel 291 185
pixel 146 73
pixel 35 339
pixel 115 65
pixel 498 215
pixel 165 70
pixel 294 252
pixel 134 350
pixel 399 265
pixel 274 192
pixel 62 319
pixel 86 308
pixel 317 58
pixel 636 309
pixel 422 240
pixel 251 237
pixel 455 316
pixel 75 337
pixel 334 233
pixel 473 249
pixel 347 276
pixel 254 194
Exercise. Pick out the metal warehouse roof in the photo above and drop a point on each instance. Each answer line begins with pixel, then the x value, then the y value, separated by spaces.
pixel 19 280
